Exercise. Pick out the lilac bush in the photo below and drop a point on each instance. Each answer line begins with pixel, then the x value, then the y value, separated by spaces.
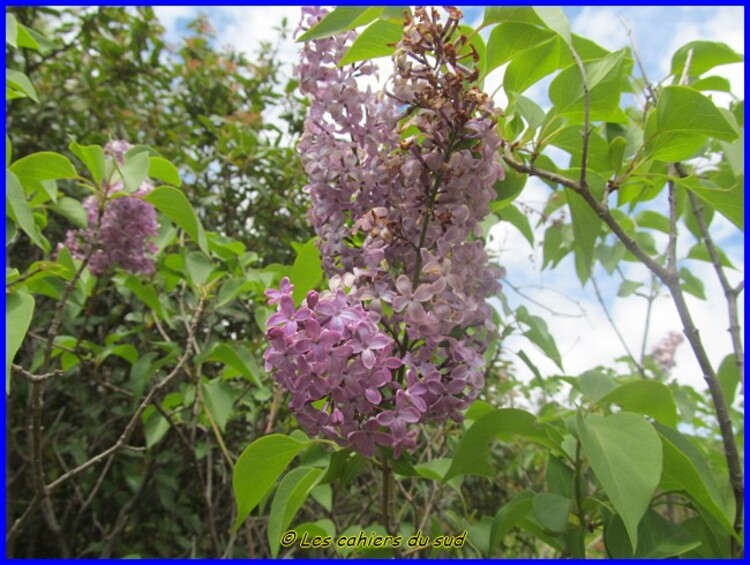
pixel 399 181
pixel 664 351
pixel 126 226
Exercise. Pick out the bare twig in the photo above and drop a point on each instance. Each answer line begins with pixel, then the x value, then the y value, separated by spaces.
pixel 31 377
pixel 614 327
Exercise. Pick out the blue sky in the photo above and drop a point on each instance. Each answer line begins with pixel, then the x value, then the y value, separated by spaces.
pixel 586 339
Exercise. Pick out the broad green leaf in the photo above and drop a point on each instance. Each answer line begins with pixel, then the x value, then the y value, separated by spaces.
pixel 20 211
pixel 658 538
pixel 686 469
pixel 155 426
pixel 594 384
pixel 653 220
pixel 239 358
pixel 71 209
pixel 706 56
pixel 135 169
pixel 43 166
pixel 146 294
pixel 11 29
pixel 258 468
pixel 531 66
pixel 555 19
pixel 519 220
pixel 340 19
pixel 717 84
pixel 625 453
pixel 692 284
pixel 472 455
pixel 729 377
pixel 586 225
pixel 551 511
pixel 730 202
pixel 377 40
pixel 174 205
pixel 198 267
pixel 646 397
pixel 538 334
pixel 699 252
pixel 683 120
pixel 604 81
pixel 559 477
pixel 522 14
pixel 219 401
pixel 20 83
pixel 293 490
pixel 508 516
pixel 508 189
pixel 307 271
pixel 19 309
pixel 510 39
pixel 627 288
pixel 160 168
pixel 92 156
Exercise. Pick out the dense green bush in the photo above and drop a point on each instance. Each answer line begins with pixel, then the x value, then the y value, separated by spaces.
pixel 141 420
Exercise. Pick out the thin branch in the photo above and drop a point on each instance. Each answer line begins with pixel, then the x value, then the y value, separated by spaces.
pixel 586 123
pixel 672 243
pixel 614 326
pixel 730 293
pixel 650 94
pixel 125 435
pixel 31 377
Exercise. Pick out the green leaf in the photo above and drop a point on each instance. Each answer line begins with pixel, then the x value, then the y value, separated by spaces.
pixel 20 211
pixel 508 189
pixel 307 271
pixel 379 39
pixel 257 469
pixel 653 220
pixel 293 490
pixel 21 84
pixel 646 397
pixel 135 169
pixel 604 81
pixel 146 294
pixel 699 252
pixel 43 166
pixel 198 267
pixel 555 19
pixel 686 469
pixel 496 14
pixel 510 39
pixel 219 401
pixel 508 516
pixel 160 168
pixel 519 220
pixel 155 426
pixel 692 284
pixel 19 309
pixel 340 19
pixel 71 209
pixel 730 202
pixel 92 156
pixel 539 335
pixel 239 358
pixel 729 377
pixel 472 455
pixel 706 56
pixel 625 454
pixel 174 205
pixel 531 66
pixel 717 84
pixel 627 288
pixel 551 511
pixel 658 538
pixel 683 120
pixel 594 384
pixel 11 29
pixel 586 225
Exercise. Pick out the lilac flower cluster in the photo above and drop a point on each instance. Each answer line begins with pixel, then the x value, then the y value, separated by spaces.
pixel 126 226
pixel 664 351
pixel 400 337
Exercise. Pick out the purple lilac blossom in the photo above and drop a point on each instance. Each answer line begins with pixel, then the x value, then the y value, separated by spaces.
pixel 399 339
pixel 127 226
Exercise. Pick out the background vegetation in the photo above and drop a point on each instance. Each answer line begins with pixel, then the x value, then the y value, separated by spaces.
pixel 132 398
